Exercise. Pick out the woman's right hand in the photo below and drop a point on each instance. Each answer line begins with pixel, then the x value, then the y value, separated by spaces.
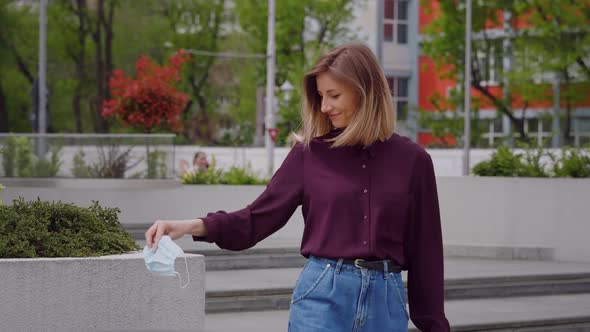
pixel 175 229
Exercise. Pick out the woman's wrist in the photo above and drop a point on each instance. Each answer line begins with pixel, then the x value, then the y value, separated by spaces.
pixel 198 228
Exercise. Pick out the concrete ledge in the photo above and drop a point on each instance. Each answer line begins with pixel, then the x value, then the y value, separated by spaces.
pixel 99 294
pixel 515 218
pixel 499 252
pixel 64 183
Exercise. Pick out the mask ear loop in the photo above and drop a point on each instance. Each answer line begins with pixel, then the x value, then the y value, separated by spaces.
pixel 188 277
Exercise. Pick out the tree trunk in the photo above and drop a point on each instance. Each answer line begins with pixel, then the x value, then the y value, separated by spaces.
pixel 203 120
pixel 567 139
pixel 101 124
pixel 3 112
pixel 80 60
pixel 109 35
pixel 77 107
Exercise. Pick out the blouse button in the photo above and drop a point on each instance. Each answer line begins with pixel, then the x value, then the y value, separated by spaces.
pixel 365 217
pixel 365 242
pixel 364 166
pixel 365 191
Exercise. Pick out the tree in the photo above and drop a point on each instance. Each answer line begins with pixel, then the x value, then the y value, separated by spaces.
pixel 73 21
pixel 101 31
pixel 18 54
pixel 532 47
pixel 304 30
pixel 150 100
pixel 558 43
pixel 196 25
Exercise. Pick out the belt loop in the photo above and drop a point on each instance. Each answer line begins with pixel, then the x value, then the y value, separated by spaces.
pixel 339 265
pixel 386 269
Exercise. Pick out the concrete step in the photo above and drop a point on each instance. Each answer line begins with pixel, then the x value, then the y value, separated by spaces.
pixel 260 258
pixel 557 313
pixel 270 289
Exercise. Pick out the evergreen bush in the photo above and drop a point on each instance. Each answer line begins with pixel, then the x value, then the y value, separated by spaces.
pixel 54 229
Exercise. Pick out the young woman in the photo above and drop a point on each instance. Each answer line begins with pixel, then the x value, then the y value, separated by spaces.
pixel 369 202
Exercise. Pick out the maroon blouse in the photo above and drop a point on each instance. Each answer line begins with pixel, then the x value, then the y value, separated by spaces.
pixel 375 202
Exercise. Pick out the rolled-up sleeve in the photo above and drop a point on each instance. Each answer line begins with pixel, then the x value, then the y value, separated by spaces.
pixel 244 228
pixel 425 251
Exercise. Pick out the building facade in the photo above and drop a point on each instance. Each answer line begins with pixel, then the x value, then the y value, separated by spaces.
pixel 393 29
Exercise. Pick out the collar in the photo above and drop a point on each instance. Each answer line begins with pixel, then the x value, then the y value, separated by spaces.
pixel 370 149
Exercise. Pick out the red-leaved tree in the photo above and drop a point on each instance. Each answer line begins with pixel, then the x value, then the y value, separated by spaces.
pixel 151 99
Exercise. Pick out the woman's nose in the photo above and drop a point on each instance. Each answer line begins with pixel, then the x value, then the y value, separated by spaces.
pixel 325 107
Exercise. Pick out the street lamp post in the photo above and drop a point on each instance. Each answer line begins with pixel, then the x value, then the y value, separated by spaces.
pixel 467 102
pixel 42 120
pixel 270 91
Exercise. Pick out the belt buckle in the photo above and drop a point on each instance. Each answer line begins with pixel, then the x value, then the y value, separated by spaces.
pixel 357 262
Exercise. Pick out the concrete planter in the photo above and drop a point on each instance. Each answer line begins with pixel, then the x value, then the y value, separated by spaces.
pixel 512 218
pixel 110 293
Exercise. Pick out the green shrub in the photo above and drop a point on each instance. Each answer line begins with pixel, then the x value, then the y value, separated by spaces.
pixel 574 163
pixel 533 165
pixel 17 154
pixel 233 176
pixel 24 157
pixel 236 175
pixel 9 155
pixel 1 187
pixel 157 167
pixel 50 229
pixel 79 168
pixel 502 163
pixel 211 176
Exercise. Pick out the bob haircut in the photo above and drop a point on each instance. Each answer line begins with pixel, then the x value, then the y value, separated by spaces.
pixel 354 65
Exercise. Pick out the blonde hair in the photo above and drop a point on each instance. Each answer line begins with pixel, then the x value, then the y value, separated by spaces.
pixel 355 65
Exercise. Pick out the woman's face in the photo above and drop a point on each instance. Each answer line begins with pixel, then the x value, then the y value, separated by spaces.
pixel 339 101
pixel 201 160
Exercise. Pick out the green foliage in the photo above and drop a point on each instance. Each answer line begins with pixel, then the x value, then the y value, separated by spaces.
pixel 574 163
pixel 233 176
pixel 503 163
pixel 79 168
pixel 17 153
pixel 295 55
pixel 237 175
pixel 49 229
pixel 534 156
pixel 24 157
pixel 9 155
pixel 556 42
pixel 157 166
pixel 1 188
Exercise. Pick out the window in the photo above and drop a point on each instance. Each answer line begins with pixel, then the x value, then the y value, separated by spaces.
pixel 537 128
pixel 488 61
pixel 395 21
pixel 398 87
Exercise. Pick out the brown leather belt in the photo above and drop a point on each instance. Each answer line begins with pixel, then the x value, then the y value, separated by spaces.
pixel 374 265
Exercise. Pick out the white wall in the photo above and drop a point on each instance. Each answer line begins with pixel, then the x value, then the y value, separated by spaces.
pixel 110 293
pixel 476 211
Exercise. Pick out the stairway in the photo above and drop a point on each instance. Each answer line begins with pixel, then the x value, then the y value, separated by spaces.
pixel 251 290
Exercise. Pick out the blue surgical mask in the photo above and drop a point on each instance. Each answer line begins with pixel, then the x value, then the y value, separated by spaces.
pixel 161 261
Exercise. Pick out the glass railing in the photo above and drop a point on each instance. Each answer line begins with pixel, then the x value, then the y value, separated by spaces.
pixel 87 155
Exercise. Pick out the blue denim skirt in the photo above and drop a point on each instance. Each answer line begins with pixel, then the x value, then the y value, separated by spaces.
pixel 331 296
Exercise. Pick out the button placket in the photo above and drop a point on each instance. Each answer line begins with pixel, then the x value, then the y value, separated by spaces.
pixel 365 198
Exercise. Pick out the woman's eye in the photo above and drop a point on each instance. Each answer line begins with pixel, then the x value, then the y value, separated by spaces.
pixel 335 96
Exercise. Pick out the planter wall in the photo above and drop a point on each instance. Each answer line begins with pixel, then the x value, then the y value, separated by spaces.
pixel 490 217
pixel 111 293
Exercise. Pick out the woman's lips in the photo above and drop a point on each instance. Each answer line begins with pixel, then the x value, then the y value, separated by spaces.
pixel 333 115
